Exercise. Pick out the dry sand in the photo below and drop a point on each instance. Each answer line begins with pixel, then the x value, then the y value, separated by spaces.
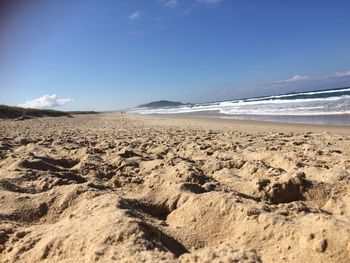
pixel 125 188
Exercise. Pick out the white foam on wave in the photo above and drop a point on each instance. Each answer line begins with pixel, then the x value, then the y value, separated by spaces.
pixel 301 94
pixel 282 112
pixel 279 101
pixel 272 105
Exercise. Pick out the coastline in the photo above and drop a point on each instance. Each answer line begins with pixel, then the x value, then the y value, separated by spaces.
pixel 208 122
pixel 327 107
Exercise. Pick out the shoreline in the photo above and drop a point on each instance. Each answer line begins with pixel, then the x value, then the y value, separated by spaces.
pixel 327 119
pixel 208 122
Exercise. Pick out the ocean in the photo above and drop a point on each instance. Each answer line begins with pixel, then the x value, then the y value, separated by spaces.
pixel 318 107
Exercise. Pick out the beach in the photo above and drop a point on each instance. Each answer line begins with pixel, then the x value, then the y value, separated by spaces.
pixel 173 188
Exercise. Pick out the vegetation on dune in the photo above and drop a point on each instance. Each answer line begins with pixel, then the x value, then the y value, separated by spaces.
pixel 11 112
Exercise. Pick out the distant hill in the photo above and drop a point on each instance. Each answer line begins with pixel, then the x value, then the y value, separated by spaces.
pixel 160 104
pixel 11 112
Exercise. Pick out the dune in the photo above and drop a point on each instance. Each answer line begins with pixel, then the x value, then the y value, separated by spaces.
pixel 11 112
pixel 125 188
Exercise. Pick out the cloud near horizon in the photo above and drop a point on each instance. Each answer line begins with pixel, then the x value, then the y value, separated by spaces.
pixel 46 101
pixel 343 74
pixel 296 78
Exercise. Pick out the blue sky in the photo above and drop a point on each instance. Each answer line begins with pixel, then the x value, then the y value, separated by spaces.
pixel 107 55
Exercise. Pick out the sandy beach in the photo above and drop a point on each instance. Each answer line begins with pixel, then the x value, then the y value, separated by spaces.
pixel 125 188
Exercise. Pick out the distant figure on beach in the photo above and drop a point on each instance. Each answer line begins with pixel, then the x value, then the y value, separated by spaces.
pixel 23 117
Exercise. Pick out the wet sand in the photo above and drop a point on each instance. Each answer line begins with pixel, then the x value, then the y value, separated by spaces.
pixel 119 187
pixel 328 120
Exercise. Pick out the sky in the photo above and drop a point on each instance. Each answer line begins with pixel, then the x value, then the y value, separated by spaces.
pixel 115 54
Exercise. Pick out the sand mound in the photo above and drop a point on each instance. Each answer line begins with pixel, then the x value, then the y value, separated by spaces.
pixel 115 188
pixel 285 189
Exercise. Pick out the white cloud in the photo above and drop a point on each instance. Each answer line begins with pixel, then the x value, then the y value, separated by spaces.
pixel 45 101
pixel 297 78
pixel 172 3
pixel 135 15
pixel 209 1
pixel 343 74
